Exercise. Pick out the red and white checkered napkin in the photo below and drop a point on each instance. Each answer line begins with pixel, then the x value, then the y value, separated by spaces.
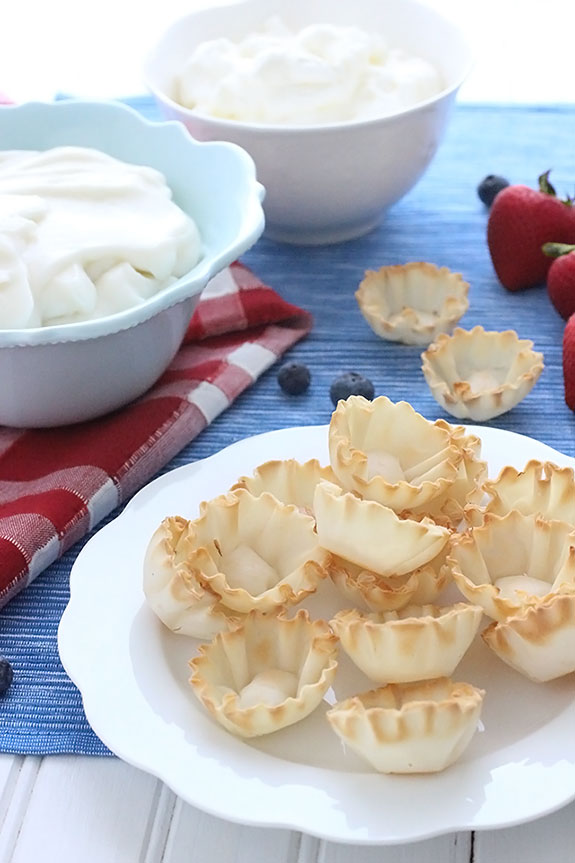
pixel 56 484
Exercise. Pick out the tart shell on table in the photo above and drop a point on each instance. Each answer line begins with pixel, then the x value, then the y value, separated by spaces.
pixel 412 303
pixel 269 673
pixel 478 374
pixel 421 727
pixel 387 452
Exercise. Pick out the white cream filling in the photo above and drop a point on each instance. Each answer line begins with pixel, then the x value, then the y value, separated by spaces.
pixel 386 465
pixel 511 585
pixel 270 687
pixel 84 235
pixel 244 568
pixel 322 73
pixel 483 380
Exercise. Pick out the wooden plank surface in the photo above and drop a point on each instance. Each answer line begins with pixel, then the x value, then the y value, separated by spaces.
pixel 63 809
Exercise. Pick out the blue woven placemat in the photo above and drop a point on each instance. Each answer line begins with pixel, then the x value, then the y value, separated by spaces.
pixel 441 221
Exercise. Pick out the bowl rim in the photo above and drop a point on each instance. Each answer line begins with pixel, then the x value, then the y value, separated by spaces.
pixel 188 285
pixel 220 123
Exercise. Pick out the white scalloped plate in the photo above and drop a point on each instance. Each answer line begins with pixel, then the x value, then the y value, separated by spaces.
pixel 132 674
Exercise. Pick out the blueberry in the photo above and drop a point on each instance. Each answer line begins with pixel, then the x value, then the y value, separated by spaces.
pixel 6 675
pixel 489 187
pixel 294 378
pixel 350 384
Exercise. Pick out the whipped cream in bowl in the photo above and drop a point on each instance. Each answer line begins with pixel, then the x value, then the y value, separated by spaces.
pixel 342 106
pixel 321 73
pixel 84 235
pixel 111 226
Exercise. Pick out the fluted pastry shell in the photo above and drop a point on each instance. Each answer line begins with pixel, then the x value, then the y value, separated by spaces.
pixel 172 588
pixel 542 488
pixel 478 374
pixel 290 481
pixel 412 728
pixel 413 643
pixel 373 592
pixel 259 553
pixel 262 654
pixel 373 536
pixel 511 562
pixel 540 641
pixel 365 589
pixel 412 303
pixel 387 452
pixel 449 508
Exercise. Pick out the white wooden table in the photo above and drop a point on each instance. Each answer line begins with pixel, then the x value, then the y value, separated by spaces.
pixel 65 809
pixel 68 809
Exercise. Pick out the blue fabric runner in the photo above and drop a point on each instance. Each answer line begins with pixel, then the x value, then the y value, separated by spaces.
pixel 441 221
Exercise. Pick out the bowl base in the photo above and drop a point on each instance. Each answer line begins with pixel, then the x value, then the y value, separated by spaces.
pixel 314 236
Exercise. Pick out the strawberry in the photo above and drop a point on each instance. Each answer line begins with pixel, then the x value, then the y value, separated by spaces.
pixel 520 221
pixel 569 362
pixel 561 277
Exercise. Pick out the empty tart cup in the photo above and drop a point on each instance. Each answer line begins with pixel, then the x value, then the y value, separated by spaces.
pixel 256 552
pixel 449 508
pixel 267 674
pixel 540 488
pixel 373 592
pixel 368 590
pixel 413 643
pixel 476 374
pixel 421 727
pixel 540 641
pixel 172 588
pixel 513 561
pixel 373 536
pixel 290 481
pixel 412 303
pixel 387 452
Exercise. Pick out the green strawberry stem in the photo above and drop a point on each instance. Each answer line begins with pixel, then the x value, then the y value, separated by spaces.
pixel 548 189
pixel 545 186
pixel 555 250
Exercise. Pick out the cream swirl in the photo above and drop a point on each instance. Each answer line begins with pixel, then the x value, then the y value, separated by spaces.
pixel 320 74
pixel 84 235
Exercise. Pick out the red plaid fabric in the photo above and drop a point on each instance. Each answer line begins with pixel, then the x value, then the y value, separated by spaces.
pixel 56 484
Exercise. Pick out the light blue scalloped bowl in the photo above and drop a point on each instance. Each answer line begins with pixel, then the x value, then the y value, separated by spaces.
pixel 73 372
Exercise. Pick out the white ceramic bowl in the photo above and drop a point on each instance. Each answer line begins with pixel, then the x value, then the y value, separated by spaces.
pixel 326 183
pixel 63 374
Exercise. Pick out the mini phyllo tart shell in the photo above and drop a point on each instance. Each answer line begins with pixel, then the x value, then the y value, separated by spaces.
pixel 372 536
pixel 511 562
pixel 412 303
pixel 475 374
pixel 369 590
pixel 267 674
pixel 365 589
pixel 290 481
pixel 172 588
pixel 414 643
pixel 257 552
pixel 411 728
pixel 539 642
pixel 540 488
pixel 449 508
pixel 387 452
